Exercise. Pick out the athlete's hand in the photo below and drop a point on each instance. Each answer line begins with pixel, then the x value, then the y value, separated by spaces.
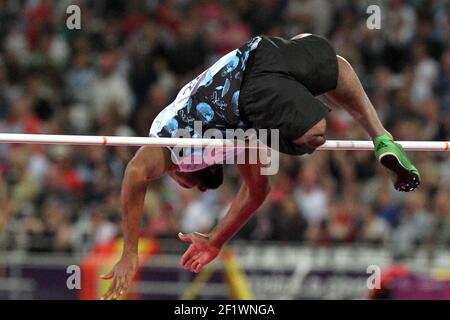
pixel 121 275
pixel 199 253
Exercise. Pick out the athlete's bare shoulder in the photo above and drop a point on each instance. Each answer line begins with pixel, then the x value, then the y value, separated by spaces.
pixel 155 161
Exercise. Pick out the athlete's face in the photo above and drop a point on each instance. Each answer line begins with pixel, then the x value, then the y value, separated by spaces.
pixel 314 137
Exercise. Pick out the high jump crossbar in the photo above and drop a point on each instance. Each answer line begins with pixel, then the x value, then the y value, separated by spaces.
pixel 189 142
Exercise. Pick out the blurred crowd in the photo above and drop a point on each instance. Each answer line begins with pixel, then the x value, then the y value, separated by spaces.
pixel 128 61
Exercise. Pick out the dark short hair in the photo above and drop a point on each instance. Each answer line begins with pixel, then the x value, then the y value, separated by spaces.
pixel 210 177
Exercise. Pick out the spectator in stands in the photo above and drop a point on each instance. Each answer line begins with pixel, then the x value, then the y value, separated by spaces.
pixel 414 227
pixel 110 91
pixel 441 210
pixel 311 197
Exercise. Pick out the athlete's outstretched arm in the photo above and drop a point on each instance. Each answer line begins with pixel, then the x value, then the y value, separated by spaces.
pixel 149 163
pixel 204 248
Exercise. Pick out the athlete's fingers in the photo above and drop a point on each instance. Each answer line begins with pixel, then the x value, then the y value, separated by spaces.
pixel 187 255
pixel 110 290
pixel 107 276
pixel 125 285
pixel 192 261
pixel 108 293
pixel 118 289
pixel 197 256
pixel 184 237
pixel 123 290
pixel 197 266
pixel 113 289
pixel 188 263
